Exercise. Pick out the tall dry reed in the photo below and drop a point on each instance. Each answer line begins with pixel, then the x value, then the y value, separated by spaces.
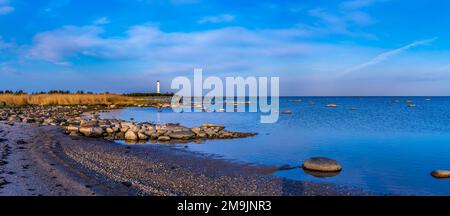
pixel 65 99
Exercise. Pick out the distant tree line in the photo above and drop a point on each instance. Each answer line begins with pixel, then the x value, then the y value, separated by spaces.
pixel 137 94
pixel 21 92
pixel 12 92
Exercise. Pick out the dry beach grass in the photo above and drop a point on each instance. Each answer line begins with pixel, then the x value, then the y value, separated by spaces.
pixel 65 99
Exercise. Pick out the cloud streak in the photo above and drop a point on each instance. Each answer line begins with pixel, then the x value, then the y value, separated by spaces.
pixel 222 49
pixel 358 4
pixel 5 8
pixel 217 19
pixel 387 55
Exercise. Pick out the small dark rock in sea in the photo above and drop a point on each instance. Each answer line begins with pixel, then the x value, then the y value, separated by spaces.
pixel 322 164
pixel 286 112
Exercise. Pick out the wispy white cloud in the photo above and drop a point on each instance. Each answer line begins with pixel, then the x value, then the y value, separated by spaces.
pixel 217 19
pixel 69 41
pixel 387 55
pixel 357 4
pixel 147 45
pixel 4 45
pixel 342 23
pixel 102 21
pixel 5 7
pixel 172 2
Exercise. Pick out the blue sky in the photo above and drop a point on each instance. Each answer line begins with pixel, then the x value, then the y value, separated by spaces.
pixel 346 47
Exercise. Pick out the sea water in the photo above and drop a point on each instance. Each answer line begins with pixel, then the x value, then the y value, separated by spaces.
pixel 383 145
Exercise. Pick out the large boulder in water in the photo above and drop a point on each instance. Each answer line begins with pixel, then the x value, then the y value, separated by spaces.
pixel 441 173
pixel 322 164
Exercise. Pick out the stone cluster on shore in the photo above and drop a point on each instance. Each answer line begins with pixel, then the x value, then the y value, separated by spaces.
pixel 115 129
pixel 76 122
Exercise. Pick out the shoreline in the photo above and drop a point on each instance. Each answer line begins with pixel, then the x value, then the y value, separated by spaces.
pixel 42 160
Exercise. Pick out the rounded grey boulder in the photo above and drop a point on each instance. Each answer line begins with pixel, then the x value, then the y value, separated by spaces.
pixel 322 164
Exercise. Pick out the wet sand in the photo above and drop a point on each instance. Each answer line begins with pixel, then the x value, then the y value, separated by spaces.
pixel 42 160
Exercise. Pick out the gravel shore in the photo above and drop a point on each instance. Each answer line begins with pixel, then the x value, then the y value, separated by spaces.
pixel 42 160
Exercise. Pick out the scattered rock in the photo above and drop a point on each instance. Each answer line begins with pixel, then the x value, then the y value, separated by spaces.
pixel 286 112
pixel 183 135
pixel 163 138
pixel 86 131
pixel 72 129
pixel 130 135
pixel 76 123
pixel 142 136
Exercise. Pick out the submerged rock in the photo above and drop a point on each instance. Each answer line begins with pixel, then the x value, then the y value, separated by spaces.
pixel 322 164
pixel 320 174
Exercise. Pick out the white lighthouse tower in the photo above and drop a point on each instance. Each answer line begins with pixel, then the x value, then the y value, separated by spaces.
pixel 158 87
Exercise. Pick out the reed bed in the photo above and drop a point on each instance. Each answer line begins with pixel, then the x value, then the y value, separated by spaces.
pixel 65 99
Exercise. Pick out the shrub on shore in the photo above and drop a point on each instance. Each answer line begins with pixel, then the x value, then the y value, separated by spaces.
pixel 65 99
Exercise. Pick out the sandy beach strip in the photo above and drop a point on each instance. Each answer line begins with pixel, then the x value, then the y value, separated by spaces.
pixel 42 160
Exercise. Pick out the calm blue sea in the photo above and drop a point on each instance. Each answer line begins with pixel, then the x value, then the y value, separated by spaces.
pixel 384 146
